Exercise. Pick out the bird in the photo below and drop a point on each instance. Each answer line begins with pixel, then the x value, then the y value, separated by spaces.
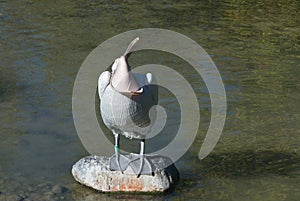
pixel 125 101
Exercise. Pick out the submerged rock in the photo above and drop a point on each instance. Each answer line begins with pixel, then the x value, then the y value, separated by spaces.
pixel 93 171
pixel 58 189
pixel 10 197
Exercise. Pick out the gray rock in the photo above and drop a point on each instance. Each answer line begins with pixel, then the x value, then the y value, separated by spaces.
pixel 58 189
pixel 10 197
pixel 45 192
pixel 93 171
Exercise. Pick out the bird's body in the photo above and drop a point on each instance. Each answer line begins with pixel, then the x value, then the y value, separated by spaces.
pixel 125 101
pixel 128 113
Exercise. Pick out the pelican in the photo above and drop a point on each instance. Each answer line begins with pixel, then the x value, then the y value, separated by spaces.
pixel 125 101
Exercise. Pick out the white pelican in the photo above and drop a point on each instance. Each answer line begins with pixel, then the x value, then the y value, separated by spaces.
pixel 126 99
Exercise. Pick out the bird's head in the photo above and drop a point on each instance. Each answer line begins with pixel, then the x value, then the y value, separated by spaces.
pixel 122 78
pixel 120 63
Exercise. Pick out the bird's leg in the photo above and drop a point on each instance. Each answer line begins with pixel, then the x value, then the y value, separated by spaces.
pixel 117 138
pixel 142 150
pixel 118 161
pixel 144 166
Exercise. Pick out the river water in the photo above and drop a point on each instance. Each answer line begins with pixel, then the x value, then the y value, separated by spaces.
pixel 255 46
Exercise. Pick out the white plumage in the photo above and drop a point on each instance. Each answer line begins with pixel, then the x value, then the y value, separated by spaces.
pixel 126 113
pixel 125 101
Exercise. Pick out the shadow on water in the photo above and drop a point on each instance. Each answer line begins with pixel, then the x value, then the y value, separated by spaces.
pixel 233 167
pixel 243 164
pixel 250 163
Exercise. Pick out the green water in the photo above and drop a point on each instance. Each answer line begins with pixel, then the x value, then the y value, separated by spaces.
pixel 255 46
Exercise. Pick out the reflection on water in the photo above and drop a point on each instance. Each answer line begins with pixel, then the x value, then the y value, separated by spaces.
pixel 254 44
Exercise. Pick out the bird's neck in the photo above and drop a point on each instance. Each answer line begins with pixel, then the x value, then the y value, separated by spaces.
pixel 123 80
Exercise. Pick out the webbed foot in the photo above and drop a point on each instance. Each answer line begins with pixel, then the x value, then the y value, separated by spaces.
pixel 141 165
pixel 118 162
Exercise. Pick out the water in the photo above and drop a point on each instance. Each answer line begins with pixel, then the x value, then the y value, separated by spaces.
pixel 254 44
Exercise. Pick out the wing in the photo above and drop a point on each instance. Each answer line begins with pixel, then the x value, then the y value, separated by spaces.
pixel 148 79
pixel 103 82
pixel 151 81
